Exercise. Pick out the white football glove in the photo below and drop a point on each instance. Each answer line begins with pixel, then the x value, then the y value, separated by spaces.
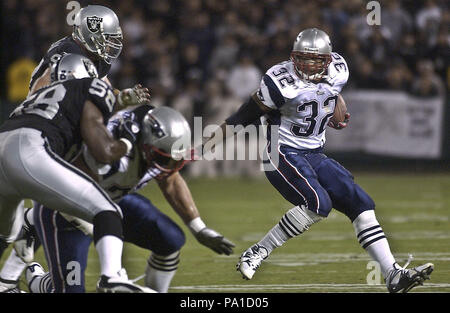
pixel 210 238
pixel 133 96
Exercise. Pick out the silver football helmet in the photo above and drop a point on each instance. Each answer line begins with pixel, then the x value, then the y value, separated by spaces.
pixel 165 139
pixel 311 54
pixel 71 66
pixel 98 29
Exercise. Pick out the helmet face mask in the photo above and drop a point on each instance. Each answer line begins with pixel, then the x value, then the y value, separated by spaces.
pixel 97 28
pixel 311 54
pixel 310 66
pixel 108 47
pixel 161 160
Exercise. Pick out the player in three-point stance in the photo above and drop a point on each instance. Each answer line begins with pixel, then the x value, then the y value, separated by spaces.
pixel 155 155
pixel 299 96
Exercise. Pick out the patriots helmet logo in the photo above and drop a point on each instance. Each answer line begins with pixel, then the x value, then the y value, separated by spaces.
pixel 94 23
pixel 157 131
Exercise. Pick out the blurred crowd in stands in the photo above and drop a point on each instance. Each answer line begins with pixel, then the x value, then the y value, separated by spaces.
pixel 204 57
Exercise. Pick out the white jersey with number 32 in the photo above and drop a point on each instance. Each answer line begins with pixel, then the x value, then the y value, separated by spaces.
pixel 300 108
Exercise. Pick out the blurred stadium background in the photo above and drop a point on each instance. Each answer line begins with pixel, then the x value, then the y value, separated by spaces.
pixel 204 57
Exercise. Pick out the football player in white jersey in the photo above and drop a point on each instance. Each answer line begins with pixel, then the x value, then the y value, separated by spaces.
pixel 299 96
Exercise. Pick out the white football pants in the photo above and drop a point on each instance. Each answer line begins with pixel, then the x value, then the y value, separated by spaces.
pixel 30 170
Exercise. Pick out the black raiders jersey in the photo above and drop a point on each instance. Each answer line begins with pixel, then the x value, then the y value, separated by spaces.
pixel 56 110
pixel 67 45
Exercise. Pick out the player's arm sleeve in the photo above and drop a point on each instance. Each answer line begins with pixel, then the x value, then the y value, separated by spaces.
pixel 264 100
pixel 248 112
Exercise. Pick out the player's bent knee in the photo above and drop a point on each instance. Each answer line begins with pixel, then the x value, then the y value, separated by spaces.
pixel 362 202
pixel 173 238
pixel 107 223
pixel 299 219
pixel 325 205
pixel 346 196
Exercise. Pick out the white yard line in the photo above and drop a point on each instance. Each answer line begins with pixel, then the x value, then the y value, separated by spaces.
pixel 326 257
pixel 299 287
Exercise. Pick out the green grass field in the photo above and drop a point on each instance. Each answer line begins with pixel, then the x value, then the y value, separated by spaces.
pixel 413 210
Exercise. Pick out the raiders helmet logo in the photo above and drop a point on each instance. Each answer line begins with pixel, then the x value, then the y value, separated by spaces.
pixel 93 23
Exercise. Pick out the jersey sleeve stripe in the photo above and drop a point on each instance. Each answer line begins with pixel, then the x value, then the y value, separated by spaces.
pixel 274 93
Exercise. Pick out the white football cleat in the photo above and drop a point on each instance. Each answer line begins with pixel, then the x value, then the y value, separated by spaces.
pixel 403 280
pixel 251 260
pixel 33 271
pixel 120 284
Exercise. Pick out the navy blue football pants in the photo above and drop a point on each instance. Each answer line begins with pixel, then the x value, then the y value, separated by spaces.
pixel 309 177
pixel 66 248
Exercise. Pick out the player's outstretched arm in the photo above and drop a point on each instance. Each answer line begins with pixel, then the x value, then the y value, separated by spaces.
pixel 103 147
pixel 180 198
pixel 247 113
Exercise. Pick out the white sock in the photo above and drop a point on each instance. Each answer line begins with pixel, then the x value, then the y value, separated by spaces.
pixel 296 221
pixel 160 271
pixel 109 250
pixel 372 239
pixel 275 238
pixel 41 284
pixel 13 267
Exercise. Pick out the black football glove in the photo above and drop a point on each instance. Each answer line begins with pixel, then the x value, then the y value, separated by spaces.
pixel 215 241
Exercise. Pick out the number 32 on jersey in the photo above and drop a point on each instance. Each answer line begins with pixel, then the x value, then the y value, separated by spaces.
pixel 314 124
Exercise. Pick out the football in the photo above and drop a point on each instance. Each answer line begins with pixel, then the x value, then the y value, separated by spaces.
pixel 339 111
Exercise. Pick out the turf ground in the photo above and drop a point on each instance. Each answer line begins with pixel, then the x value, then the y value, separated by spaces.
pixel 413 210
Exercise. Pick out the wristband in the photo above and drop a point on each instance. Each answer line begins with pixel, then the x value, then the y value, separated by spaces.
pixel 196 225
pixel 128 143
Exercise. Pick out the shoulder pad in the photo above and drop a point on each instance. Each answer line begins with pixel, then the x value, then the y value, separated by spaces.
pixel 280 84
pixel 338 72
pixel 67 45
pixel 285 79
